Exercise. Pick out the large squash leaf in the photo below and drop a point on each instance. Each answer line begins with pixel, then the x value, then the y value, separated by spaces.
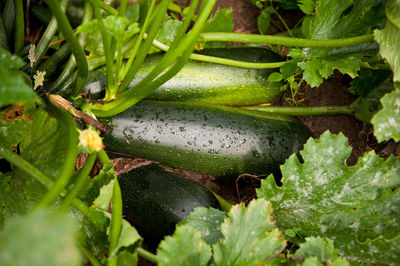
pixel 39 139
pixel 358 207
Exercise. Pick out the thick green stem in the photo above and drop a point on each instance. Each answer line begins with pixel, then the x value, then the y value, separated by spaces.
pixel 286 41
pixel 3 35
pixel 77 50
pixel 103 157
pixel 71 64
pixel 69 160
pixel 43 45
pixel 93 260
pixel 116 223
pixel 19 26
pixel 26 167
pixel 224 61
pixel 107 49
pixel 50 65
pixel 304 110
pixel 138 42
pixel 9 18
pixel 80 182
pixel 147 255
pixel 142 89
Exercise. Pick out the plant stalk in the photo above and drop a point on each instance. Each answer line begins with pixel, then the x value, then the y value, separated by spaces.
pixel 304 110
pixel 286 41
pixel 19 26
pixel 147 255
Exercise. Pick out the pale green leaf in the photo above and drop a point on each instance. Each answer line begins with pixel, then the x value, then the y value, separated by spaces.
pixel 208 222
pixel 322 248
pixel 129 237
pixel 387 121
pixel 10 61
pixel 307 6
pixel 185 247
pixel 167 33
pixel 358 207
pixel 389 38
pixel 221 21
pixel 250 236
pixel 40 238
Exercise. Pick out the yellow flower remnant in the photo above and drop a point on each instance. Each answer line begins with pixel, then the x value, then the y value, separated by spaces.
pixel 39 78
pixel 90 138
pixel 31 55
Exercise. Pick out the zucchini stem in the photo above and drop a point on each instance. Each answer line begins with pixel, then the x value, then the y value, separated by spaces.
pixel 80 182
pixel 224 61
pixel 69 161
pixel 147 255
pixel 116 223
pixel 3 35
pixel 304 110
pixel 66 29
pixel 286 41
pixel 19 26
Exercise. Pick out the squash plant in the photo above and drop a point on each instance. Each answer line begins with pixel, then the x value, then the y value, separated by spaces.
pixel 54 214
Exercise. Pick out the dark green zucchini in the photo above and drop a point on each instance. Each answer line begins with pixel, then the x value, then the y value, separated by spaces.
pixel 206 82
pixel 215 140
pixel 155 200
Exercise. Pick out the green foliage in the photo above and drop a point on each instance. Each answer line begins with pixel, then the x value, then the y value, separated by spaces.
pixel 208 221
pixel 185 247
pixel 320 250
pixel 357 206
pixel 332 20
pixel 39 139
pixel 40 238
pixel 389 37
pixel 221 21
pixel 387 121
pixel 13 86
pixel 167 33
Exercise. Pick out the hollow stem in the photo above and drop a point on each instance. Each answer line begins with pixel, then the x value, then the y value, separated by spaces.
pixel 282 40
pixel 19 26
pixel 77 50
pixel 80 182
pixel 43 45
pixel 303 110
pixel 93 260
pixel 147 255
pixel 26 167
pixel 224 61
pixel 3 35
pixel 69 160
pixel 116 223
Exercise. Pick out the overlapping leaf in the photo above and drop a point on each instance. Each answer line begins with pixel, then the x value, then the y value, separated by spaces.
pixel 221 21
pixel 332 20
pixel 250 236
pixel 41 238
pixel 185 247
pixel 389 38
pixel 358 206
pixel 387 121
pixel 39 139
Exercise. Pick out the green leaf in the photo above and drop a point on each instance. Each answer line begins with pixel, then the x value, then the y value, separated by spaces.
pixel 264 19
pixel 10 61
pixel 319 247
pixel 208 222
pixel 316 70
pixel 126 258
pixel 40 238
pixel 129 238
pixel 389 38
pixel 185 247
pixel 13 88
pixel 221 21
pixel 358 206
pixel 387 121
pixel 39 139
pixel 307 6
pixel 250 236
pixel 167 33
pixel 90 194
pixel 368 80
pixel 275 77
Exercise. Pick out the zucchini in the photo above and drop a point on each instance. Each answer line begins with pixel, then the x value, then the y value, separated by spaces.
pixel 155 200
pixel 206 82
pixel 221 141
